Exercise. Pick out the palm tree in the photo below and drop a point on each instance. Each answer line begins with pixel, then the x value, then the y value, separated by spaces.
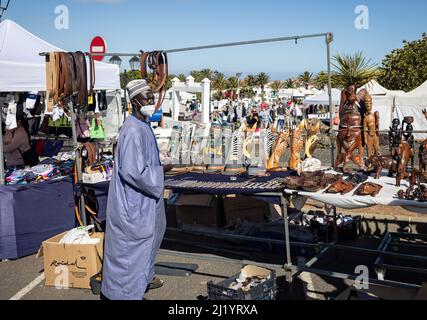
pixel 354 69
pixel 276 86
pixel 289 84
pixel 232 85
pixel 181 77
pixel 321 80
pixel 207 73
pixel 197 75
pixel 251 81
pixel 219 84
pixel 306 79
pixel 262 80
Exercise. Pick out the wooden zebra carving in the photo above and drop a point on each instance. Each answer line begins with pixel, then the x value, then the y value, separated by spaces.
pixel 278 150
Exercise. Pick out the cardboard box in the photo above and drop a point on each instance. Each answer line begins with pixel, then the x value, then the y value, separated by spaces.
pixel 198 209
pixel 71 265
pixel 245 208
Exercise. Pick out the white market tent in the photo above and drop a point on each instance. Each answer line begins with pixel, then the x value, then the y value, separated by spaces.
pixel 22 69
pixel 323 98
pixel 297 92
pixel 383 102
pixel 412 104
pixel 375 89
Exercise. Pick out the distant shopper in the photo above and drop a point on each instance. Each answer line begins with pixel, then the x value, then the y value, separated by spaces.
pixel 16 143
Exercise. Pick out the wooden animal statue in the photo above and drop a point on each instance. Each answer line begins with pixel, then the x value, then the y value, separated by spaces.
pixel 279 149
pixel 405 153
pixel 297 146
pixel 312 127
pixel 378 163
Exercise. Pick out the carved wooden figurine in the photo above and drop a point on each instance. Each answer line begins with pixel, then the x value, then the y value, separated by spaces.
pixel 371 127
pixel 405 153
pixel 349 139
pixel 312 127
pixel 279 149
pixel 378 163
pixel 297 146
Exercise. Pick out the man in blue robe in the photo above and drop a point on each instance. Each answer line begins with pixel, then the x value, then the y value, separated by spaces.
pixel 136 220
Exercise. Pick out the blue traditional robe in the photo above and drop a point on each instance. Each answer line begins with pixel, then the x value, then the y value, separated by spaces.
pixel 136 220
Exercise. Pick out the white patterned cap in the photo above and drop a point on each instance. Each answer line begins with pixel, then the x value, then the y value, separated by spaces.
pixel 138 87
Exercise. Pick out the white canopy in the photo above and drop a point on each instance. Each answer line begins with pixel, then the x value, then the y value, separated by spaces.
pixel 297 92
pixel 412 104
pixel 23 69
pixel 375 89
pixel 323 98
pixel 421 91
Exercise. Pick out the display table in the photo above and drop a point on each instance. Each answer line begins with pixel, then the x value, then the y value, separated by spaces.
pixel 31 214
pixel 386 197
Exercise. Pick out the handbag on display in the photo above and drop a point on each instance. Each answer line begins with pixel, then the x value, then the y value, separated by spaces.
pixel 97 129
pixel 52 147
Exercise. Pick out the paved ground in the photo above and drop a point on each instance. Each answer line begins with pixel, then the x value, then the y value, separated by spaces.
pixel 16 275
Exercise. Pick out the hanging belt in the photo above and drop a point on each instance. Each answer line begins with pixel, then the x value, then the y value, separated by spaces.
pixel 157 61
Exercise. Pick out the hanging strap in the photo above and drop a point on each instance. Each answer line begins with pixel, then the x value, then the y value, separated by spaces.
pixel 92 75
pixel 157 62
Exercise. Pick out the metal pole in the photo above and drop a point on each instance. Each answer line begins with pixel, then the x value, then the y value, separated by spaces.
pixel 3 9
pixel 329 38
pixel 221 45
pixel 288 265
pixel 126 97
pixel 119 112
pixel 79 168
pixel 2 177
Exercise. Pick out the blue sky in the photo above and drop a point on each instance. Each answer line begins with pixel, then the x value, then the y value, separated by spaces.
pixel 131 25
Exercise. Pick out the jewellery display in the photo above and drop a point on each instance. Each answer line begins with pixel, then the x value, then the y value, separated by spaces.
pixel 272 185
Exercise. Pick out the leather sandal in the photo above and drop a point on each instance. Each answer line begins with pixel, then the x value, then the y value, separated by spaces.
pixel 157 283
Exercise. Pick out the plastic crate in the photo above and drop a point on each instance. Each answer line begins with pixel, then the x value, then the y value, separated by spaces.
pixel 264 291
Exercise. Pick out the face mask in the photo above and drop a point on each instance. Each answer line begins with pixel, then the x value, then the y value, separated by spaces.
pixel 148 111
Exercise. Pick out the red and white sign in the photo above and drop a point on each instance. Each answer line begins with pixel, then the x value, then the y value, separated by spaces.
pixel 98 46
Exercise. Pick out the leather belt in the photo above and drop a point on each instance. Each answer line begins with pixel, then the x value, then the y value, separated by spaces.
pixel 157 61
pixel 66 78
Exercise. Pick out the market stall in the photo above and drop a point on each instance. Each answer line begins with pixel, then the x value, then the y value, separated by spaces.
pixel 50 182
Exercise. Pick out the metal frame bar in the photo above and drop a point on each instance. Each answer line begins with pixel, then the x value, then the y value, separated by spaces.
pixel 392 239
pixel 293 271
